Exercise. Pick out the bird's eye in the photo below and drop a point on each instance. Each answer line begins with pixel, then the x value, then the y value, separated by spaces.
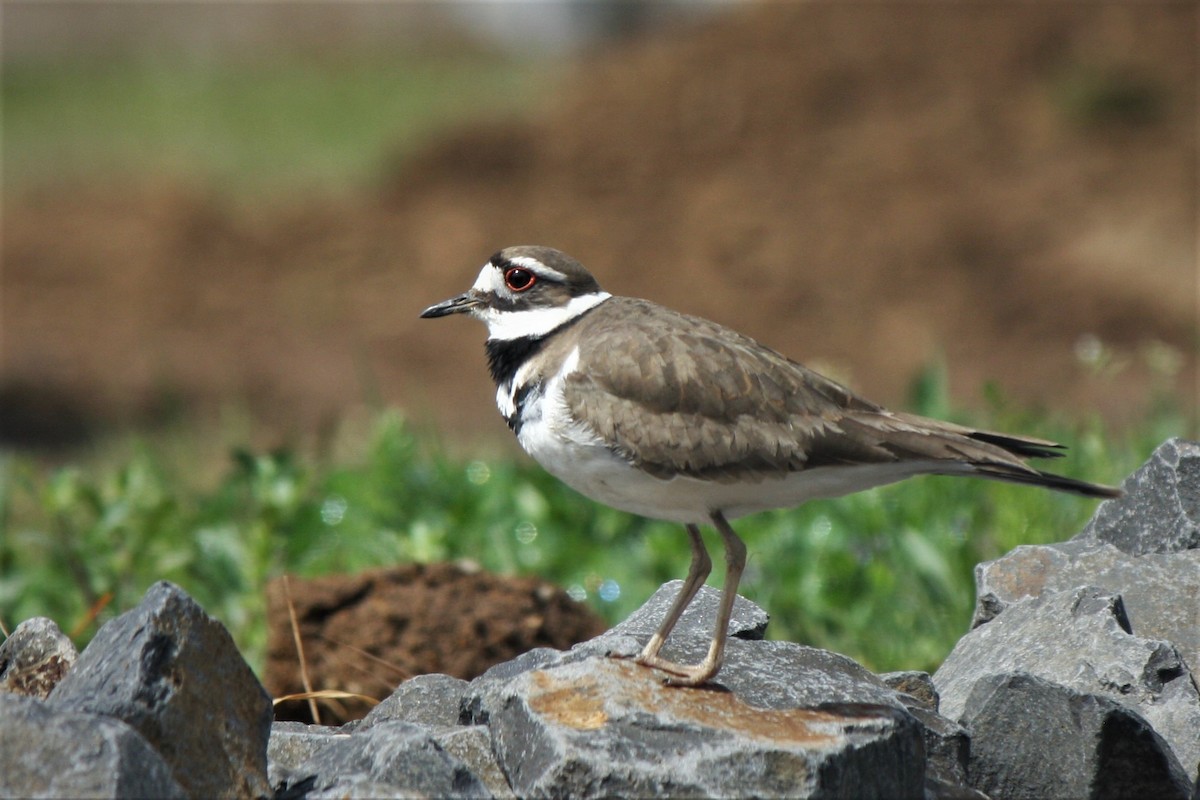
pixel 519 279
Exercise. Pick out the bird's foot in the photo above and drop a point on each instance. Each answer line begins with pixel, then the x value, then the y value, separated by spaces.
pixel 680 674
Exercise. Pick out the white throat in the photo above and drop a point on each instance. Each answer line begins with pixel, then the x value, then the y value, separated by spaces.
pixel 535 322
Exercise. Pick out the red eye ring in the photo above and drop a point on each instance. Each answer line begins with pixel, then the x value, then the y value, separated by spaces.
pixel 519 279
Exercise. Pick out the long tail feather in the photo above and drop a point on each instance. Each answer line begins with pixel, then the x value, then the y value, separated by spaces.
pixel 988 454
pixel 1047 479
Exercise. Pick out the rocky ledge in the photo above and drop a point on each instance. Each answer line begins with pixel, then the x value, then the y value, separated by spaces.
pixel 1075 681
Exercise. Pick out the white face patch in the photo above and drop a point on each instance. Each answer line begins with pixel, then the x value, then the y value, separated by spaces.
pixel 535 322
pixel 492 280
pixel 489 280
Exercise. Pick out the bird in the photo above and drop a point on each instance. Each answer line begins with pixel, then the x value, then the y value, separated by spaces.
pixel 677 418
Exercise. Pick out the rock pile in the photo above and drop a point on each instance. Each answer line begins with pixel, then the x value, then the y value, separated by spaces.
pixel 160 704
pixel 1075 681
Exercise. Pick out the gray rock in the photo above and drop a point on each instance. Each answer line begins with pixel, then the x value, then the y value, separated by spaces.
pixel 174 674
pixel 35 657
pixel 603 727
pixel 748 621
pixel 1160 512
pixel 1159 590
pixel 53 753
pixel 947 744
pixel 389 759
pixel 430 700
pixel 1080 639
pixel 752 670
pixel 914 683
pixel 292 746
pixel 784 675
pixel 532 659
pixel 659 739
pixel 1036 739
pixel 472 744
pixel 947 750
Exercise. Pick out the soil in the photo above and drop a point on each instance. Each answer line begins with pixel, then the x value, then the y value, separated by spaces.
pixel 863 187
pixel 366 633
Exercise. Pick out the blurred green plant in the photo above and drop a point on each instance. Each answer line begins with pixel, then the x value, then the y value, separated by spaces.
pixel 280 119
pixel 885 576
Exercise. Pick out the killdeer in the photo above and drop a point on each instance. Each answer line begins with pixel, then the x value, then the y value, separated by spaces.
pixel 678 418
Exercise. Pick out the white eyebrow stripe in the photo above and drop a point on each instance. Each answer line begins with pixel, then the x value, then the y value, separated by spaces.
pixel 538 268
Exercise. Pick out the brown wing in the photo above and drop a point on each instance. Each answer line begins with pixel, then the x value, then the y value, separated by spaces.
pixel 696 398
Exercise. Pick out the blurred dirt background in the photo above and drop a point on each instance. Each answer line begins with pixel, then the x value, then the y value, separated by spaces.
pixel 1010 187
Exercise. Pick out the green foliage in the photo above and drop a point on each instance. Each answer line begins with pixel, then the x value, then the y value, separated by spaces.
pixel 884 576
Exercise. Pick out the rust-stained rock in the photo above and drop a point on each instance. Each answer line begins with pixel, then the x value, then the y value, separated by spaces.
pixel 603 726
pixel 1158 590
pixel 782 719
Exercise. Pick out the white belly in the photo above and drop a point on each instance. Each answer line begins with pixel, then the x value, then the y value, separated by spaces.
pixel 600 475
pixel 580 459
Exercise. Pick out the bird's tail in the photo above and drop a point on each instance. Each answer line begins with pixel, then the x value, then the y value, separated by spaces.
pixel 1000 456
pixel 1049 480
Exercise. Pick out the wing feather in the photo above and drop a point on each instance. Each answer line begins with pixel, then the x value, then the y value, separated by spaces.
pixel 690 396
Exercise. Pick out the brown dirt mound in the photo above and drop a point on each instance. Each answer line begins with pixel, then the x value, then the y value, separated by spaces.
pixel 864 186
pixel 366 633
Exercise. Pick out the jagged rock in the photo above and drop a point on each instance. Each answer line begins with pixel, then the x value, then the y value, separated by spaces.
pixel 914 683
pixel 947 748
pixel 35 657
pixel 174 674
pixel 433 701
pixel 786 720
pixel 655 735
pixel 602 726
pixel 1160 512
pixel 1035 739
pixel 748 621
pixel 430 700
pixel 1159 590
pixel 1143 546
pixel 472 744
pixel 1080 639
pixel 47 752
pixel 291 747
pixel 759 678
pixel 947 744
pixel 752 667
pixel 389 759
